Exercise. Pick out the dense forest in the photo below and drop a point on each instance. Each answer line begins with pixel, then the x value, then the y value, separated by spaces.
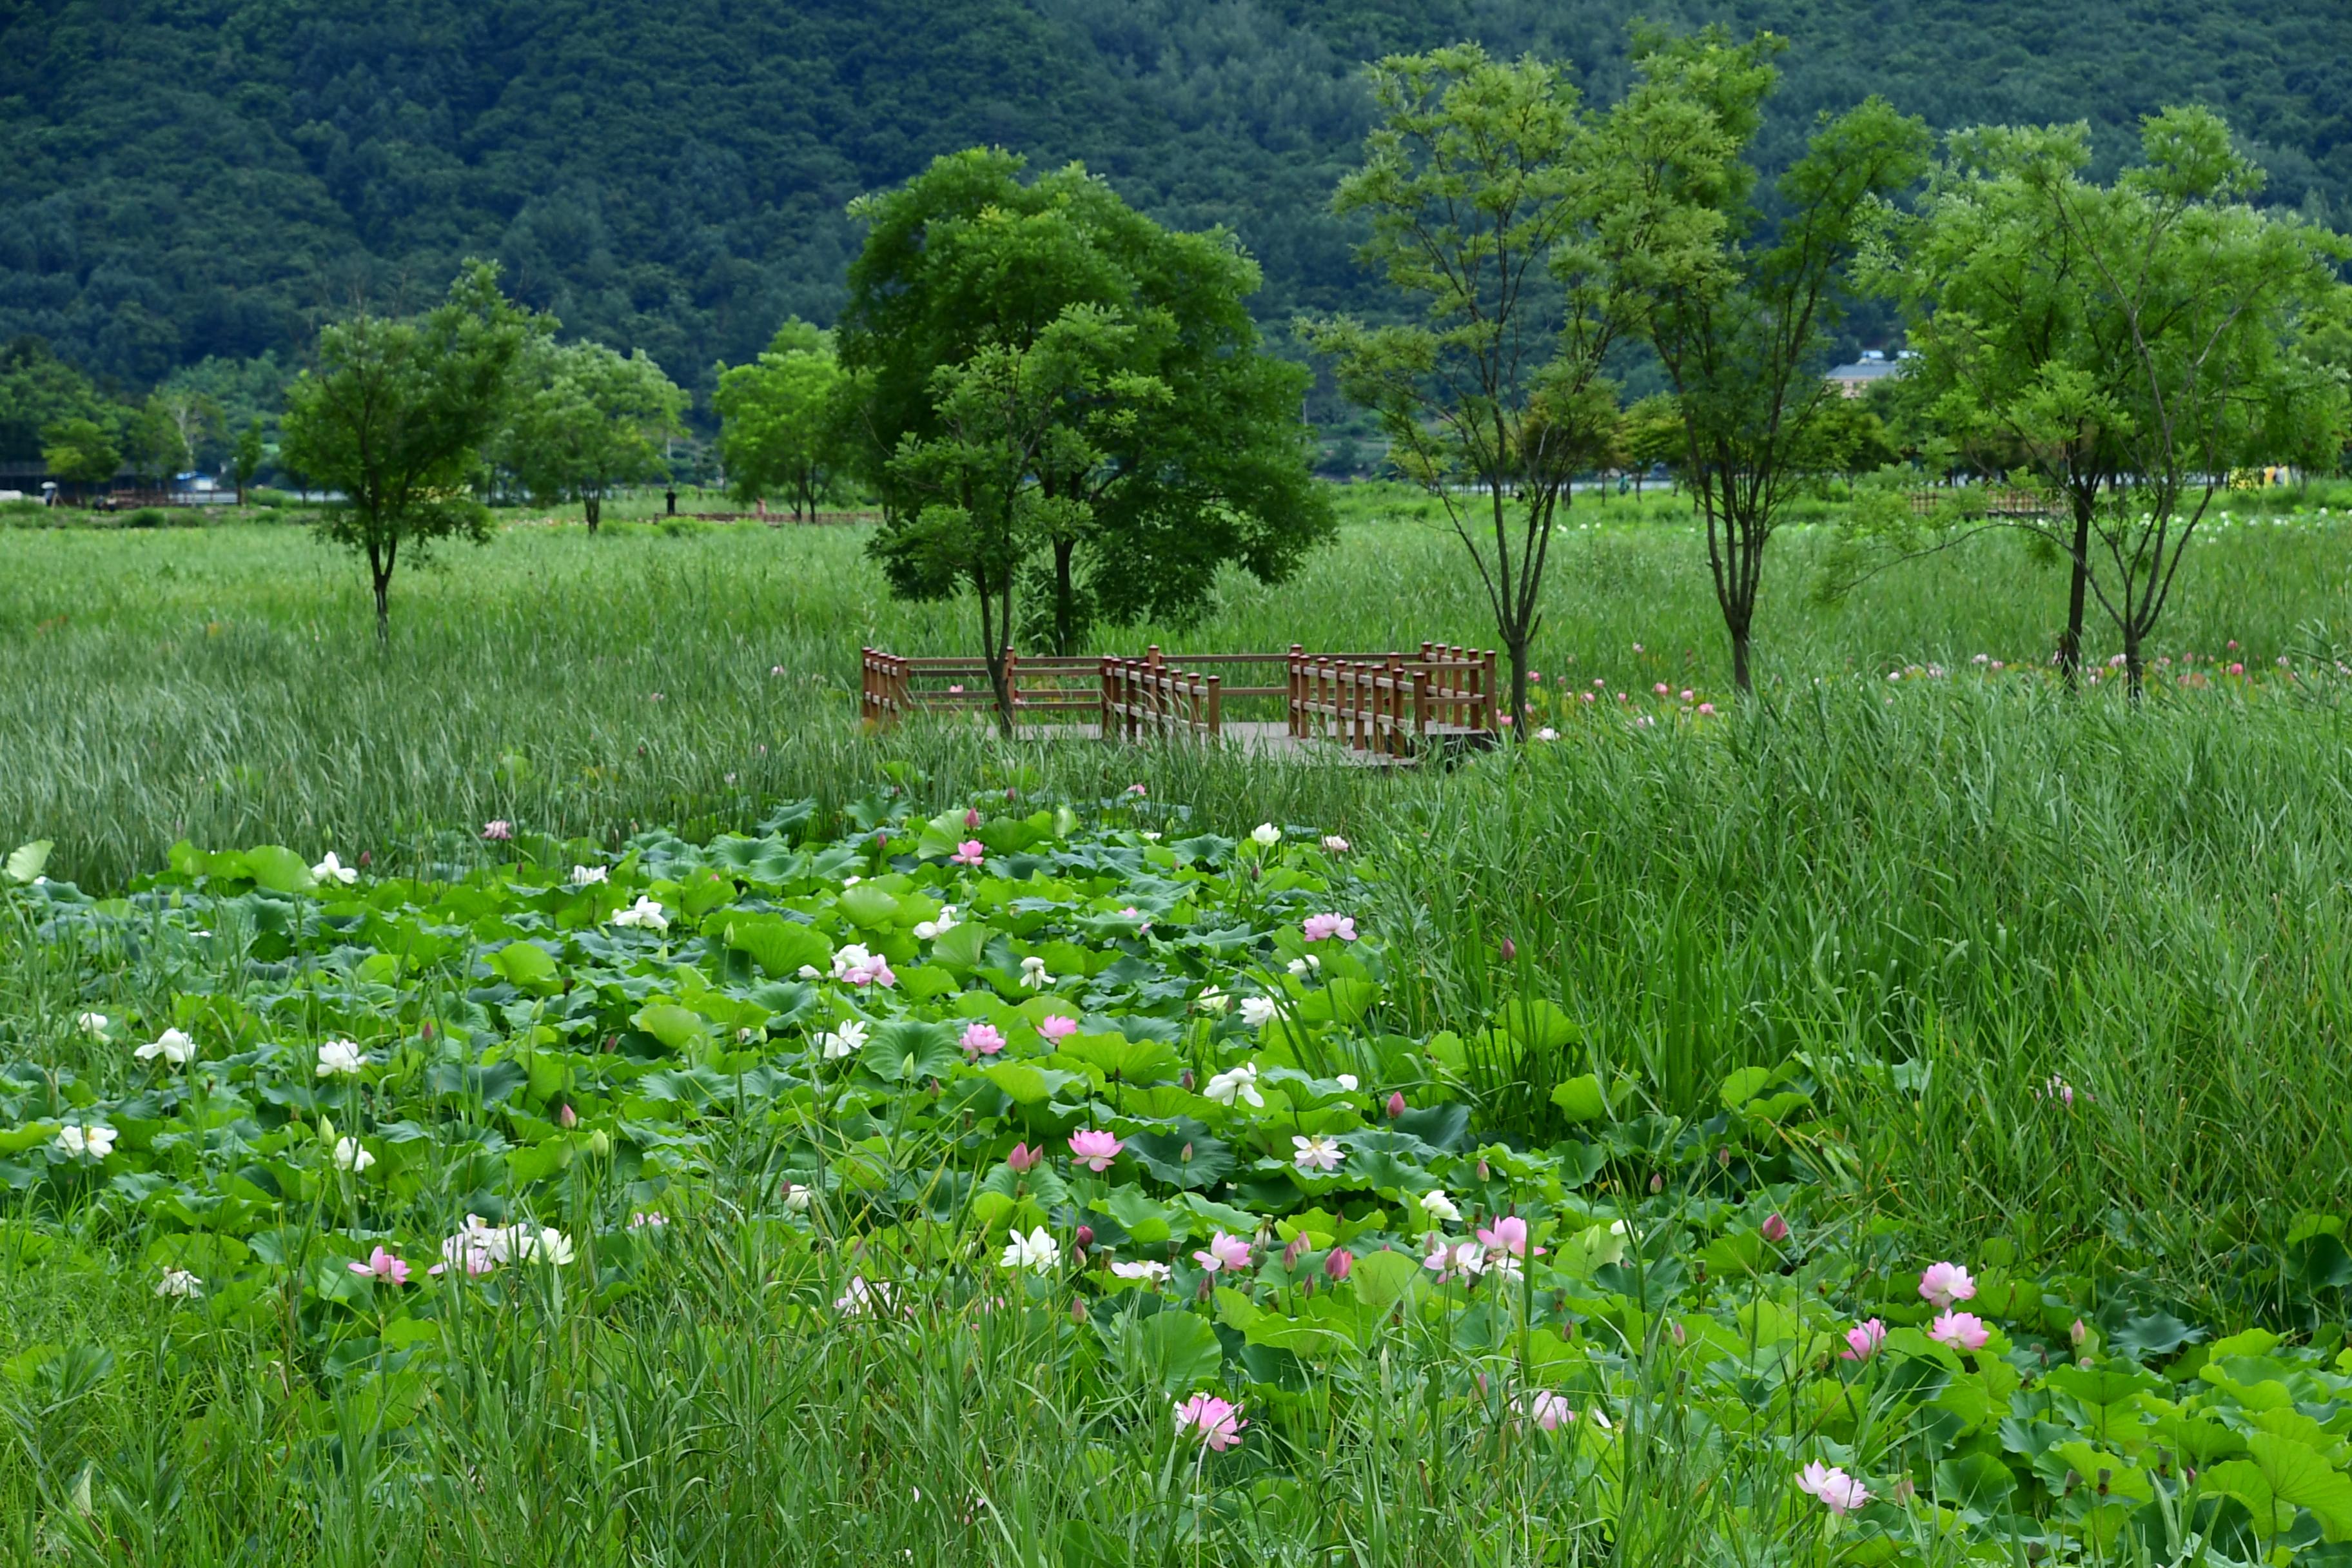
pixel 195 178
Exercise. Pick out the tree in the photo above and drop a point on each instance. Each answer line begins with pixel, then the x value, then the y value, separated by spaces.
pixel 587 420
pixel 1510 215
pixel 1652 432
pixel 967 257
pixel 247 457
pixel 2160 341
pixel 1000 419
pixel 781 417
pixel 395 416
pixel 80 452
pixel 38 394
pixel 1742 330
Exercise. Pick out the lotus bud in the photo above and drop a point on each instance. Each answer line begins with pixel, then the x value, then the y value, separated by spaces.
pixel 1290 1253
pixel 1185 1077
pixel 1340 1264
pixel 1658 1183
pixel 600 1143
pixel 1086 1236
pixel 1186 1157
pixel 1510 950
pixel 1483 1173
pixel 1774 1228
pixel 2078 1333
pixel 971 818
pixel 1396 1105
pixel 1676 1329
pixel 1024 1158
pixel 326 1130
pixel 567 1118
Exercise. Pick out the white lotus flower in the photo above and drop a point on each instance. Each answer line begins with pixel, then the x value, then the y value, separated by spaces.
pixel 174 1046
pixel 340 1059
pixel 1347 1081
pixel 1032 974
pixel 1154 1274
pixel 645 913
pixel 333 870
pixel 546 1245
pixel 1211 1000
pixel 797 1197
pixel 1036 1252
pixel 1438 1207
pixel 86 1142
pixel 585 876
pixel 1257 1011
pixel 1307 965
pixel 843 1041
pixel 1236 1083
pixel 179 1285
pixel 1265 835
pixel 352 1155
pixel 932 931
pixel 91 1024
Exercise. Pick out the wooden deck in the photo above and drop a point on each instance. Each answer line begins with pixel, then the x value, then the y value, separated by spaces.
pixel 1267 739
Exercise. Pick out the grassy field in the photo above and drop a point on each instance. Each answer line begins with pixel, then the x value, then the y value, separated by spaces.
pixel 1932 901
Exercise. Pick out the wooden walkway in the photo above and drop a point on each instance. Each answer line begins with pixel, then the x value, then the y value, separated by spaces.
pixel 1375 709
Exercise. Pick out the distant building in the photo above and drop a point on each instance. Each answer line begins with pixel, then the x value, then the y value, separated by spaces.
pixel 1853 380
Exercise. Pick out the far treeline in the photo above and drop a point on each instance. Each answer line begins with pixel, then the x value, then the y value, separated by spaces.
pixel 1064 408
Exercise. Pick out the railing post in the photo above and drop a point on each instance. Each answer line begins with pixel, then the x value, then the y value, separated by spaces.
pixel 1487 684
pixel 1217 714
pixel 1102 676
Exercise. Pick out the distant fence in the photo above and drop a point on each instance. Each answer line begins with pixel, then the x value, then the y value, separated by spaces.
pixel 1985 503
pixel 1391 704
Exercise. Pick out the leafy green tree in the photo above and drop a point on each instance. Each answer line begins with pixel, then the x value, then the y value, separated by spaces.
pixel 81 452
pixel 781 417
pixel 967 257
pixel 1651 433
pixel 1000 417
pixel 39 393
pixel 247 457
pixel 396 416
pixel 1513 220
pixel 1742 329
pixel 587 420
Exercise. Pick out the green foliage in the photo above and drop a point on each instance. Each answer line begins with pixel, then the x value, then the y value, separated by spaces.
pixel 783 417
pixel 585 421
pixel 80 451
pixel 39 393
pixel 1177 451
pixel 397 417
pixel 1742 326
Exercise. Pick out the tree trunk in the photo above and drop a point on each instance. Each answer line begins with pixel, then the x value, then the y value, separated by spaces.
pixel 991 650
pixel 1739 673
pixel 383 610
pixel 593 505
pixel 1065 615
pixel 2070 645
pixel 2135 666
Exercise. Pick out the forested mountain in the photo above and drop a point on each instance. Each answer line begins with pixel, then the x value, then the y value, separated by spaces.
pixel 187 178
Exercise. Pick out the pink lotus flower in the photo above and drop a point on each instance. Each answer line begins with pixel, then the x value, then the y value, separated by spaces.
pixel 382 1265
pixel 1547 1410
pixel 982 1041
pixel 1707 708
pixel 1057 1027
pixel 1839 1492
pixel 1224 1252
pixel 969 853
pixel 1864 1340
pixel 1775 1229
pixel 1337 1264
pixel 1507 1235
pixel 1024 1158
pixel 1137 791
pixel 1321 928
pixel 1450 1260
pixel 1661 688
pixel 1219 1422
pixel 2236 669
pixel 1688 694
pixel 1941 1284
pixel 497 830
pixel 1096 1149
pixel 1961 1331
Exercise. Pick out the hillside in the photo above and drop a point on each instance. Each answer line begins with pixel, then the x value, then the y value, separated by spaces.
pixel 208 178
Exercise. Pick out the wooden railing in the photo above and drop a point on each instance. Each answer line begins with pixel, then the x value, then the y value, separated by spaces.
pixel 1143 698
pixel 1394 703
pixel 1985 503
pixel 1391 705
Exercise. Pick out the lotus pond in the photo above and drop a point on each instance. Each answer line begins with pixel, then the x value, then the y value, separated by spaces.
pixel 1078 1195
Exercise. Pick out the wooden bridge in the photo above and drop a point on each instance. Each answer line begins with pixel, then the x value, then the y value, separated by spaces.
pixel 1370 706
